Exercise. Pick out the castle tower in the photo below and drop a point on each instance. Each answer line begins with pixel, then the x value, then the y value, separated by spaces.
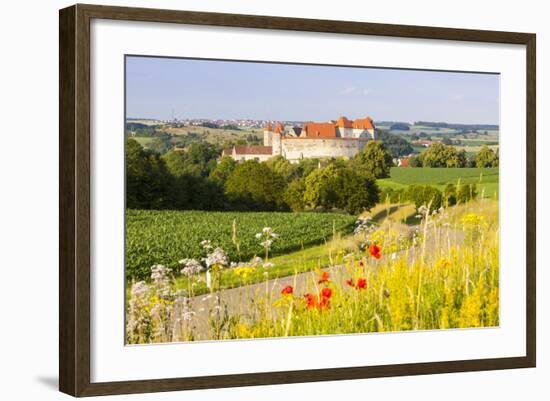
pixel 268 135
pixel 276 139
pixel 276 144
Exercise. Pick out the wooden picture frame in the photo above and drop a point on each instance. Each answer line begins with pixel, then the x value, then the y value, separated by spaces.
pixel 74 203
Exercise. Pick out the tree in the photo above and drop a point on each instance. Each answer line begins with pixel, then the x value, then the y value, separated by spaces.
pixel 223 170
pixel 355 191
pixel 462 158
pixel 283 167
pixel 147 179
pixel 254 186
pixel 199 159
pixel 342 188
pixel 395 144
pixel 486 157
pixel 450 195
pixel 466 192
pixel 415 161
pixel 161 144
pixel 425 195
pixel 294 195
pixel 374 160
pixel 440 155
pixel 318 188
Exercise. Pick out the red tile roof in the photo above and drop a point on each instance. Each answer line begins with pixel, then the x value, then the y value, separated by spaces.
pixel 269 127
pixel 343 122
pixel 253 150
pixel 279 128
pixel 320 130
pixel 363 123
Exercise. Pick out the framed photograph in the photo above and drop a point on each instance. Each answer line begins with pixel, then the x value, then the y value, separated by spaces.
pixel 250 200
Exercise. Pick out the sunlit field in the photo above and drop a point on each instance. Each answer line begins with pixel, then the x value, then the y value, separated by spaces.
pixel 440 272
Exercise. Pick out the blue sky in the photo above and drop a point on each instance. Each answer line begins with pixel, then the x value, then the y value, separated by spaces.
pixel 156 87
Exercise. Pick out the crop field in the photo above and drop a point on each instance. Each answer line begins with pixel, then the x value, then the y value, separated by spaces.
pixel 165 237
pixel 486 179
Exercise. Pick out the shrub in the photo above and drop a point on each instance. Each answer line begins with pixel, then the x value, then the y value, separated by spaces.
pixel 425 195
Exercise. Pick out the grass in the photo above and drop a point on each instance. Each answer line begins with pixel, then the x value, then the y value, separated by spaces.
pixel 486 179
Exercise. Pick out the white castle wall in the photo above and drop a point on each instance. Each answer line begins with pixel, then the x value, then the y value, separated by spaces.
pixel 295 149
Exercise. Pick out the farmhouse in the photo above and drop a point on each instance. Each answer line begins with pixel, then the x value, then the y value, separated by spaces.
pixel 337 138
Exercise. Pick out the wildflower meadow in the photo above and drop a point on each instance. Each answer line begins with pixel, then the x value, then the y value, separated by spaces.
pixel 398 268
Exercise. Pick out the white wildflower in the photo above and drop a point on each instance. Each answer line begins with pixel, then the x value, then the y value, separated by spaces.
pixel 159 274
pixel 217 257
pixel 206 245
pixel 190 267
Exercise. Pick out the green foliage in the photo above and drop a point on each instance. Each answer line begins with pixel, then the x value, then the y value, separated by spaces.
pixel 147 180
pixel 340 187
pixel 450 195
pixel 466 192
pixel 198 160
pixel 400 127
pixel 374 159
pixel 319 191
pixel 415 161
pixel 356 192
pixel 165 237
pixel 486 157
pixel 223 170
pixel 282 167
pixel 254 186
pixel 395 144
pixel 425 195
pixel 440 155
pixel 294 195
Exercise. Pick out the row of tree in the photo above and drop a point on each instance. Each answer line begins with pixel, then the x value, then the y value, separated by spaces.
pixel 440 155
pixel 194 179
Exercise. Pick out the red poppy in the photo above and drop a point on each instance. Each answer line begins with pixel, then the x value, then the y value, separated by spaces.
pixel 324 278
pixel 311 300
pixel 288 290
pixel 362 284
pixel 326 293
pixel 375 251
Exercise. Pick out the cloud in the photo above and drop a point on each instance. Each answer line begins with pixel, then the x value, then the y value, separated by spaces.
pixel 348 90
pixel 367 91
pixel 458 97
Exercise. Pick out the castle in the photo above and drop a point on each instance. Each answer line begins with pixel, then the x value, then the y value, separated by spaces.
pixel 336 138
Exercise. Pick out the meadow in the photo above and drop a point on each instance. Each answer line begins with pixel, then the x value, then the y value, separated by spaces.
pixel 486 179
pixel 442 273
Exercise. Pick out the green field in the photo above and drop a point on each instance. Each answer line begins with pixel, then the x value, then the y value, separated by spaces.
pixel 485 178
pixel 165 237
pixel 216 135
